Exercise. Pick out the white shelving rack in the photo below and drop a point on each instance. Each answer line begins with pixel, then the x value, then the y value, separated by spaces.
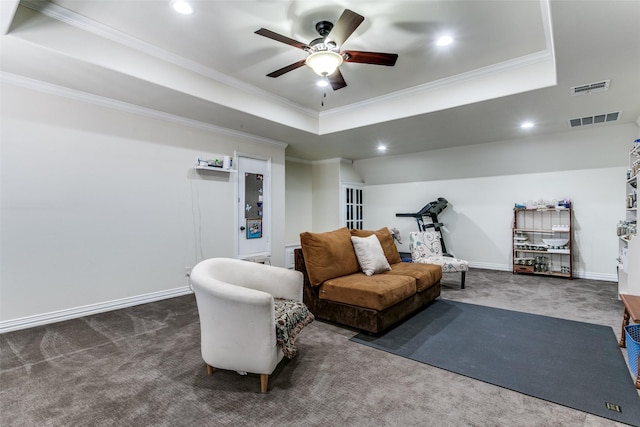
pixel 213 168
pixel 199 166
pixel 629 244
pixel 530 254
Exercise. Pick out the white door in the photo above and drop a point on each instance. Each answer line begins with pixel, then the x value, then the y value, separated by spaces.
pixel 254 208
pixel 352 205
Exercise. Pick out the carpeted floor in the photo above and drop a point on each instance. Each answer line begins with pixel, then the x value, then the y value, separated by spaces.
pixel 576 364
pixel 141 366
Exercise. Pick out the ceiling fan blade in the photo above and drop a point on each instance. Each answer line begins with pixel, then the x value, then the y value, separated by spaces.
pixel 375 58
pixel 282 39
pixel 336 80
pixel 346 25
pixel 286 69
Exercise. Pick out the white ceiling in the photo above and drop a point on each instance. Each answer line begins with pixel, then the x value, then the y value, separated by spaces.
pixel 512 60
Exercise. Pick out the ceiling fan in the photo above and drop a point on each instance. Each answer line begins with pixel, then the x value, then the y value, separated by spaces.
pixel 324 52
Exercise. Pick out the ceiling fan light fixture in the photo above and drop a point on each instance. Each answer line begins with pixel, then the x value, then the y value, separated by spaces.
pixel 322 83
pixel 324 63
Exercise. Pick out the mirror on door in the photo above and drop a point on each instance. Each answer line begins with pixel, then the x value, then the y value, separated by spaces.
pixel 254 199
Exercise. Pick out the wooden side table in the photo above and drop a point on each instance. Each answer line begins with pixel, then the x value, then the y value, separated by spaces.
pixel 631 311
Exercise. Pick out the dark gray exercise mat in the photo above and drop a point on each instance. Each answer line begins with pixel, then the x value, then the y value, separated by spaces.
pixel 571 363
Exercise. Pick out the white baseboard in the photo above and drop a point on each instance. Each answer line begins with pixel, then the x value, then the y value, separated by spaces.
pixel 596 276
pixel 577 274
pixel 73 313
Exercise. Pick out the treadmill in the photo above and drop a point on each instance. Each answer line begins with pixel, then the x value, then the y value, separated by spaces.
pixel 431 209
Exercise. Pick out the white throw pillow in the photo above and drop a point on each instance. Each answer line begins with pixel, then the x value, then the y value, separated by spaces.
pixel 370 254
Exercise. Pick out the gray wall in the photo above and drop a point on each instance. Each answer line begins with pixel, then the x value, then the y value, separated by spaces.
pixel 102 206
pixel 482 183
pixel 299 203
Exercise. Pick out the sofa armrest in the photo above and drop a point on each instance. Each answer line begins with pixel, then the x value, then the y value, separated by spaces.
pixel 311 293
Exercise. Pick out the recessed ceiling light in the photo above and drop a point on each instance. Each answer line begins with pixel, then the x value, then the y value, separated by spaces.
pixel 444 40
pixel 322 83
pixel 182 7
pixel 382 148
pixel 527 125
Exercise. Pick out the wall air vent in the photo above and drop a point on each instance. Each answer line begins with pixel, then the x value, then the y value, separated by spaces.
pixel 590 88
pixel 591 120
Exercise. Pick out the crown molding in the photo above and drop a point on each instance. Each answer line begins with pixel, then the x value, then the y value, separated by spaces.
pixel 297 160
pixel 51 89
pixel 424 89
pixel 315 162
pixel 333 160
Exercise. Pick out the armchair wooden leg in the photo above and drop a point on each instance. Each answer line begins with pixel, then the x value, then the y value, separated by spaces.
pixel 625 321
pixel 464 273
pixel 264 380
pixel 209 370
pixel 638 376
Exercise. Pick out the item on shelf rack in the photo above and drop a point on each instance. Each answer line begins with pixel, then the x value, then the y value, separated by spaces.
pixel 633 171
pixel 214 163
pixel 627 227
pixel 541 264
pixel 227 162
pixel 544 204
pixel 564 203
pixel 555 243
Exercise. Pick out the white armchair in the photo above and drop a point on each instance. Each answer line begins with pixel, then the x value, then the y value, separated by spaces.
pixel 426 249
pixel 236 303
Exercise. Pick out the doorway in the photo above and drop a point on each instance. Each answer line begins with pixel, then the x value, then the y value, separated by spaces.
pixel 253 210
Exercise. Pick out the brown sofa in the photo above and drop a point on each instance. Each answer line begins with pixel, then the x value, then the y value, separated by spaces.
pixel 336 289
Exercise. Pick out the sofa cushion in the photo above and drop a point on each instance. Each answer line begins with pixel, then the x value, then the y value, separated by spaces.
pixel 370 255
pixel 328 255
pixel 386 241
pixel 426 275
pixel 376 292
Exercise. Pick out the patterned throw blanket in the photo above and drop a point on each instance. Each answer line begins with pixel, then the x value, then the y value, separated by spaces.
pixel 291 317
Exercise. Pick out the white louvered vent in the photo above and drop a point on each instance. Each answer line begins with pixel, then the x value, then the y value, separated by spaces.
pixel 590 88
pixel 592 120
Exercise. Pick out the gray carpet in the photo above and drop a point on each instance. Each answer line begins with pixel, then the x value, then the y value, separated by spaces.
pixel 575 364
pixel 141 366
